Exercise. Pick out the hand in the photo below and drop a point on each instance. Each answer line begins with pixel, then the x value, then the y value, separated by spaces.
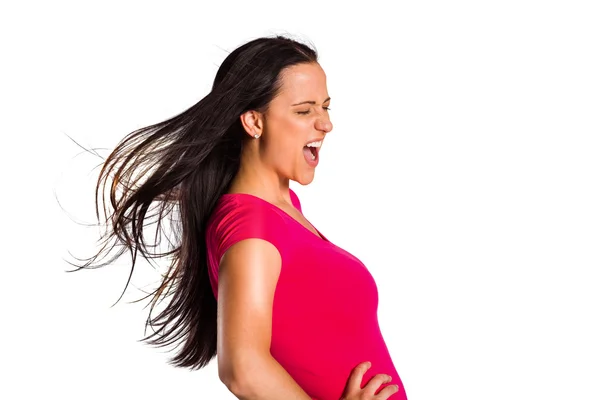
pixel 354 392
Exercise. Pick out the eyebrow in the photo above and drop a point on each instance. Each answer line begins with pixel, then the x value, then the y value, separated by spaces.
pixel 310 102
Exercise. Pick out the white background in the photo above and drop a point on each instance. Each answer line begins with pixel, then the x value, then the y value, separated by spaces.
pixel 463 170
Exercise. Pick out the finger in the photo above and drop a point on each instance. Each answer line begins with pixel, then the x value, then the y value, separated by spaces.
pixel 386 392
pixel 376 382
pixel 357 374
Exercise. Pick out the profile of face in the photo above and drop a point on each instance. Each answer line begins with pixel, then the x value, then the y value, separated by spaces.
pixel 297 116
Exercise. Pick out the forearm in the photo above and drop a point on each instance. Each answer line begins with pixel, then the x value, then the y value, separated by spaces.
pixel 266 380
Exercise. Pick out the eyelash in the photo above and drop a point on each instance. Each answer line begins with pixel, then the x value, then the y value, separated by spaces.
pixel 306 112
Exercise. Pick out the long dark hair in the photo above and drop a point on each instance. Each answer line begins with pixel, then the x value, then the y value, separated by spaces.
pixel 182 166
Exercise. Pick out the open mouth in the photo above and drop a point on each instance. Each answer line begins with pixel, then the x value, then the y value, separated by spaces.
pixel 311 154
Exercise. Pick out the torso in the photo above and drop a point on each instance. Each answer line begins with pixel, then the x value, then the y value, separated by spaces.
pixel 324 315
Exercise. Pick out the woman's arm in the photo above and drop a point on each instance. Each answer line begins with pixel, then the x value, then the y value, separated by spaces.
pixel 266 379
pixel 248 274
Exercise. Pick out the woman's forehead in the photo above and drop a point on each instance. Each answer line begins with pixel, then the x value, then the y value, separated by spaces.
pixel 303 82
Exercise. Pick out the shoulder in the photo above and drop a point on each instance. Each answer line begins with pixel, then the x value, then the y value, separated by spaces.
pixel 240 217
pixel 241 209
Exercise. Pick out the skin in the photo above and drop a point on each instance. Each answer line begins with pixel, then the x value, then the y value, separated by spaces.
pixel 268 163
pixel 249 269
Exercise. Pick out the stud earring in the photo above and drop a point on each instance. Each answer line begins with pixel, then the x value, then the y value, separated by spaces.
pixel 256 136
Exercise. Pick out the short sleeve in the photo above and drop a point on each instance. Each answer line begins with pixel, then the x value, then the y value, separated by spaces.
pixel 249 220
pixel 243 217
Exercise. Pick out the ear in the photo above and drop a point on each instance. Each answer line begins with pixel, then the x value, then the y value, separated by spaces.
pixel 252 122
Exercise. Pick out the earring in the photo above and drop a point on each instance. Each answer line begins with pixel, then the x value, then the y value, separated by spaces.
pixel 256 136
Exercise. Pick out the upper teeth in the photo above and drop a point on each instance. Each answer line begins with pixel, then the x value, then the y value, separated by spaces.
pixel 315 144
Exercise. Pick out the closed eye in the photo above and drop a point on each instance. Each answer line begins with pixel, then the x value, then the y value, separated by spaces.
pixel 308 111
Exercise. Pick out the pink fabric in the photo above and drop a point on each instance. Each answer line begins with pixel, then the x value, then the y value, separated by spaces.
pixel 325 305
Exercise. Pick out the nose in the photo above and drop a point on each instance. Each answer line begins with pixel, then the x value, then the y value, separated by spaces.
pixel 324 124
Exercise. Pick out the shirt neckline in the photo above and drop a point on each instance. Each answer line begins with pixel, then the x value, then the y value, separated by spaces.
pixel 320 236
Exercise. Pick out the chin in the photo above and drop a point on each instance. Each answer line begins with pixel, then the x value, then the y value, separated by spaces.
pixel 306 179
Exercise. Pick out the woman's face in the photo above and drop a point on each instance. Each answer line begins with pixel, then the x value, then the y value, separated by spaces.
pixel 297 116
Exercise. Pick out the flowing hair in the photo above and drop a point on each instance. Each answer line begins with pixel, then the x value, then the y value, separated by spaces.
pixel 180 167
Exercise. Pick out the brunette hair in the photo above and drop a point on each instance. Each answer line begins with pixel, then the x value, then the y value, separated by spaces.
pixel 182 166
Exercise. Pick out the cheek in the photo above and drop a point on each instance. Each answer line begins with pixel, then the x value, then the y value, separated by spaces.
pixel 293 127
pixel 289 148
pixel 286 152
pixel 290 135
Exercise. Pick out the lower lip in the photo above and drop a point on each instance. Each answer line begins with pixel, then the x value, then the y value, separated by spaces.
pixel 310 161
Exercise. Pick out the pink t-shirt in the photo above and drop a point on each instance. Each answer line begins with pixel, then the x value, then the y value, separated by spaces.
pixel 325 304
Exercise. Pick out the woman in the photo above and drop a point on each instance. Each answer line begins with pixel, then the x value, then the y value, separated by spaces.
pixel 296 316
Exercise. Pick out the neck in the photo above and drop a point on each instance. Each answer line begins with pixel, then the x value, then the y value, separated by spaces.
pixel 258 179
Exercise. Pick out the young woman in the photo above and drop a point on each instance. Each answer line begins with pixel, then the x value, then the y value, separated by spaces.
pixel 296 316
